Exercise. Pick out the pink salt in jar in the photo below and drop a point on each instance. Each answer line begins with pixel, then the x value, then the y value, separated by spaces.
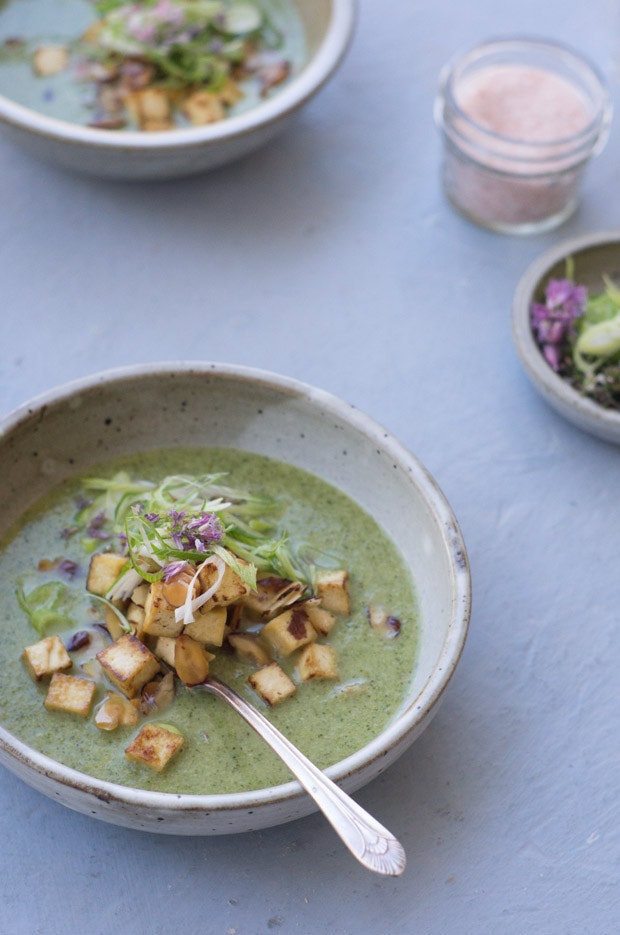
pixel 520 120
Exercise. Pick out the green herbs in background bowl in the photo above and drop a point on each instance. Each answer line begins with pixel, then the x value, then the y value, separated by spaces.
pixel 158 64
pixel 578 334
pixel 565 326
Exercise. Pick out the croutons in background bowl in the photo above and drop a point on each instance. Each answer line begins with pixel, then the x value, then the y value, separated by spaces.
pixel 66 431
pixel 326 25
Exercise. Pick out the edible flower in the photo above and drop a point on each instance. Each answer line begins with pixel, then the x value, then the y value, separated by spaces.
pixel 553 321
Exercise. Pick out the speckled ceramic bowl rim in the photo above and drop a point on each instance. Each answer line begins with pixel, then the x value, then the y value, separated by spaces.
pixel 552 386
pixel 312 76
pixel 415 710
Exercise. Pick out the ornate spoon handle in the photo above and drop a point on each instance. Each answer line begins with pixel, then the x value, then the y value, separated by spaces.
pixel 368 841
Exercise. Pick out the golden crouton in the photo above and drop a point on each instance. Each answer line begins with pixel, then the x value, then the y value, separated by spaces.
pixel 116 711
pixel 104 569
pixel 154 746
pixel 70 693
pixel 249 647
pixel 113 622
pixel 317 661
pixel 50 60
pixel 208 626
pixel 333 589
pixel 230 589
pixel 321 619
pixel 272 683
pixel 159 614
pixel 47 656
pixel 289 631
pixel 140 594
pixel 203 107
pixel 128 663
pixel 191 660
pixel 163 648
pixel 150 108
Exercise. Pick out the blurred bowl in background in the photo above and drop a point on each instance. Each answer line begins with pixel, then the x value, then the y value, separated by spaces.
pixel 325 30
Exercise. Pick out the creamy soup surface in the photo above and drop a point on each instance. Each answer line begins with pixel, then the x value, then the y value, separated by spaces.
pixel 327 719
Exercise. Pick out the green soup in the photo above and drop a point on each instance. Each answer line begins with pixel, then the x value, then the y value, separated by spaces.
pixel 327 720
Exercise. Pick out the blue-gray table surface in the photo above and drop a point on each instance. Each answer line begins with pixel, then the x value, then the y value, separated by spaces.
pixel 331 256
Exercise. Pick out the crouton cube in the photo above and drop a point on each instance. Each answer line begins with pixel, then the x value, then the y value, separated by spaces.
pixel 289 631
pixel 387 626
pixel 159 614
pixel 70 693
pixel 104 569
pixel 154 745
pixel 135 616
pixel 47 656
pixel 230 589
pixel 150 108
pixel 128 663
pixel 116 711
pixel 50 60
pixel 230 93
pixel 272 683
pixel 191 660
pixel 113 623
pixel 321 619
pixel 317 661
pixel 333 589
pixel 163 648
pixel 203 107
pixel 208 626
pixel 248 646
pixel 140 594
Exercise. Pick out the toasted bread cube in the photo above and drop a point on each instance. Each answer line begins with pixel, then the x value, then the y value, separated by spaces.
pixel 272 683
pixel 249 647
pixel 104 569
pixel 230 589
pixel 230 93
pixel 164 647
pixel 321 619
pixel 154 745
pixel 203 107
pixel 385 625
pixel 140 594
pixel 128 663
pixel 272 594
pixel 135 616
pixel 116 711
pixel 317 661
pixel 191 660
pixel 289 631
pixel 47 656
pixel 159 614
pixel 70 693
pixel 208 626
pixel 50 60
pixel 333 589
pixel 150 108
pixel 112 621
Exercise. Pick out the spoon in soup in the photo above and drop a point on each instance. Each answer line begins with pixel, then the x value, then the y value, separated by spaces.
pixel 372 844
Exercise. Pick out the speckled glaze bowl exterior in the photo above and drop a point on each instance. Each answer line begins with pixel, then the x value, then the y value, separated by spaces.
pixel 115 413
pixel 593 255
pixel 117 154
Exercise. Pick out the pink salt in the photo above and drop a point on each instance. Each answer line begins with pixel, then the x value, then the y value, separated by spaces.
pixel 521 105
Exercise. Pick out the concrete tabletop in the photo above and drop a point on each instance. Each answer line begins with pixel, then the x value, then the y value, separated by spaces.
pixel 332 256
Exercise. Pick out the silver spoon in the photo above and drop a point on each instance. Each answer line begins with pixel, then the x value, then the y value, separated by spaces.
pixel 368 841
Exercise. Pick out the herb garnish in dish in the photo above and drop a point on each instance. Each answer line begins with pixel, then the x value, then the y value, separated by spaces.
pixel 579 336
pixel 159 64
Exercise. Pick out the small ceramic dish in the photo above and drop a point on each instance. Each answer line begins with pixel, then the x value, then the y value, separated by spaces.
pixel 46 120
pixel 111 414
pixel 593 255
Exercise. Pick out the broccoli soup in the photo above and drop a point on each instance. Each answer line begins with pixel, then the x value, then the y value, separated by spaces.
pixel 127 586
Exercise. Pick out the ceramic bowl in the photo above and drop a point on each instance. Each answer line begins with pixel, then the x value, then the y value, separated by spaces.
pixel 110 414
pixel 327 26
pixel 593 255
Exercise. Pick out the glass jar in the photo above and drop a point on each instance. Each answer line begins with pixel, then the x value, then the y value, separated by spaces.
pixel 520 120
